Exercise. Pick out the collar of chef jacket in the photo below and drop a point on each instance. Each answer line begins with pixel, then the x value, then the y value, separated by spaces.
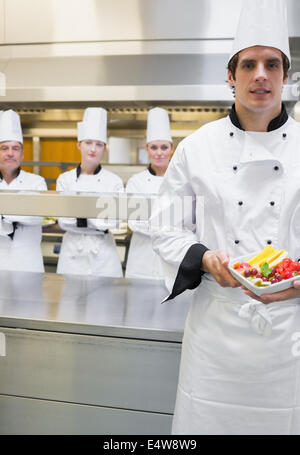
pixel 274 124
pixel 258 146
pixel 18 172
pixel 152 171
pixel 78 170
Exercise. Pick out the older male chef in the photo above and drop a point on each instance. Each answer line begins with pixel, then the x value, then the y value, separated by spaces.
pixel 88 248
pixel 239 370
pixel 20 236
pixel 142 261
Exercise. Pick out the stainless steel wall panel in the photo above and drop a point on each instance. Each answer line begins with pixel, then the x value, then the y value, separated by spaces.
pixel 25 416
pixel 127 374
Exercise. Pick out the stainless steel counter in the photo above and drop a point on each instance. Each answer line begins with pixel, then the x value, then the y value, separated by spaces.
pixel 115 307
pixel 88 355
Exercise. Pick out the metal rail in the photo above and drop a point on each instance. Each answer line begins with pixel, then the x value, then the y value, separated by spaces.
pixel 120 206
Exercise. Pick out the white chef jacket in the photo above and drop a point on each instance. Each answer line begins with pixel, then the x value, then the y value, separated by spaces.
pixel 142 260
pixel 89 249
pixel 239 373
pixel 20 236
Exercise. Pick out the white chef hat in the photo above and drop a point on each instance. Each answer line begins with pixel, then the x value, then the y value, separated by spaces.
pixel 262 23
pixel 10 127
pixel 93 125
pixel 158 125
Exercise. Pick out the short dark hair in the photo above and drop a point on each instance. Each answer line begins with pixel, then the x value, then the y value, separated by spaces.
pixel 232 65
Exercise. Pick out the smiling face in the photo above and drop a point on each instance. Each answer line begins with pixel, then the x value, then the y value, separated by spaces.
pixel 91 152
pixel 258 79
pixel 11 156
pixel 159 153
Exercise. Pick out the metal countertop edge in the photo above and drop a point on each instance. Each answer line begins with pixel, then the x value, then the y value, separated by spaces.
pixel 135 333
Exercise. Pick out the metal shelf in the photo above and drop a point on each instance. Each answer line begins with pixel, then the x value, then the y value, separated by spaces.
pixel 120 206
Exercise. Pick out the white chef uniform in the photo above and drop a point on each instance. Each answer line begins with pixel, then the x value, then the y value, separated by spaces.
pixel 239 373
pixel 88 248
pixel 20 236
pixel 142 261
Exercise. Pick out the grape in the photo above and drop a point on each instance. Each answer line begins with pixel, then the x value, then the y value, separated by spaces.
pixel 273 271
pixel 259 275
pixel 264 278
pixel 254 272
pixel 274 280
pixel 247 273
pixel 278 276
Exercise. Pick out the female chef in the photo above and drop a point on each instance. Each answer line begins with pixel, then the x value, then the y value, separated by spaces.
pixel 88 248
pixel 20 236
pixel 239 370
pixel 142 261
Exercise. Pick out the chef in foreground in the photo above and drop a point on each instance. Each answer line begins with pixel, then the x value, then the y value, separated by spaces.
pixel 88 248
pixel 240 366
pixel 142 261
pixel 20 236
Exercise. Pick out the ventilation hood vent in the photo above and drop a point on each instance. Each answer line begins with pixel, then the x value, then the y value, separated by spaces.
pixel 123 121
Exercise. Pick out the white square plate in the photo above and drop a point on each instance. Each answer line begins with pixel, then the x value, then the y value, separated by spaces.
pixel 281 286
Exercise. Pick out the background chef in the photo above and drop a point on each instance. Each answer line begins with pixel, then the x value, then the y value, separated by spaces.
pixel 142 261
pixel 88 248
pixel 20 236
pixel 238 374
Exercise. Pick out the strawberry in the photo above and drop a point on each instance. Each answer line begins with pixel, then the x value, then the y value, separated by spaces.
pixel 280 268
pixel 244 265
pixel 296 266
pixel 286 262
pixel 287 274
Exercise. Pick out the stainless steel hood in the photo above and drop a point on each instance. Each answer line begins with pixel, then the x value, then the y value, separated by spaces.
pixel 138 52
pixel 116 80
pixel 141 77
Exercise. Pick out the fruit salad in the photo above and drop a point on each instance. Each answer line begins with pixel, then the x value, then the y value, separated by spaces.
pixel 269 266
